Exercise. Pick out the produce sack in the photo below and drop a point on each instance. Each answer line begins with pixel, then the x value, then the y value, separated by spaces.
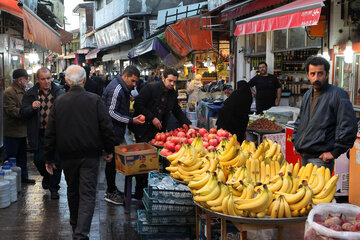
pixel 314 231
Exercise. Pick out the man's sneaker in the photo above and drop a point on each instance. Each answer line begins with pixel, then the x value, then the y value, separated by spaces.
pixel 114 197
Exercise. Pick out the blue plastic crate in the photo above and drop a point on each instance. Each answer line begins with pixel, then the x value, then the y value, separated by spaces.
pixel 162 186
pixel 184 206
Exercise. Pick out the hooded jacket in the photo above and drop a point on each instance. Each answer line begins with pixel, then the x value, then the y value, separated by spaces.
pixel 33 115
pixel 332 126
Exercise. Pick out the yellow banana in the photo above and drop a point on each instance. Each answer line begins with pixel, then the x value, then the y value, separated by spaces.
pixel 224 191
pixel 232 162
pixel 271 151
pixel 320 184
pixel 295 213
pixel 328 187
pixel 242 159
pixel 250 191
pixel 296 169
pixel 301 171
pixel 258 151
pixel 257 170
pixel 220 174
pixel 196 165
pixel 211 196
pixel 224 205
pixel 295 185
pixel 285 184
pixel 277 185
pixel 252 147
pixel 171 169
pixel 277 167
pixel 287 210
pixel 217 209
pixel 312 175
pixel 281 208
pixel 201 183
pixel 308 171
pixel 251 204
pixel 261 214
pixel 304 201
pixel 207 185
pixel 327 174
pixel 272 169
pixel 293 198
pixel 213 164
pixel 229 155
pixel 275 208
pixel 205 167
pixel 262 172
pixel 176 155
pixel 231 206
pixel 326 199
pixel 283 168
pixel 278 149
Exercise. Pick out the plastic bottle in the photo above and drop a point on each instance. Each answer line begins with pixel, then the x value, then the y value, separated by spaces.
pixel 5 199
pixel 12 179
pixel 16 169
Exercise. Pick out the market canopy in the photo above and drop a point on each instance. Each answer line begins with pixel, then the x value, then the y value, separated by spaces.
pixel 154 45
pixel 35 29
pixel 300 13
pixel 92 54
pixel 186 36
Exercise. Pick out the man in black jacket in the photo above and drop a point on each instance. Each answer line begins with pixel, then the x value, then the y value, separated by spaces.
pixel 36 105
pixel 156 101
pixel 79 127
pixel 326 126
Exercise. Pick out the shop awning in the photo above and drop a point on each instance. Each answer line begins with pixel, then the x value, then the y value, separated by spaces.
pixel 35 29
pixel 246 7
pixel 153 44
pixel 122 55
pixel 69 56
pixel 83 51
pixel 186 36
pixel 92 54
pixel 295 14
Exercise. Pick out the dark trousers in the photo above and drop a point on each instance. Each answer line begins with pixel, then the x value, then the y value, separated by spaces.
pixel 16 148
pixel 81 178
pixel 39 161
pixel 110 174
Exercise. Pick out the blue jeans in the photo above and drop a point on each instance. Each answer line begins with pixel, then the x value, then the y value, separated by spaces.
pixel 39 161
pixel 16 148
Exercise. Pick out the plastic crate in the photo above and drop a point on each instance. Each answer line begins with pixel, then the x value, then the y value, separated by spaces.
pixel 179 205
pixel 144 227
pixel 161 185
pixel 166 236
pixel 170 217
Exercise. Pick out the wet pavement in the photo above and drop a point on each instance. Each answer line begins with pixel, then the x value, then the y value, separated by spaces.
pixel 34 216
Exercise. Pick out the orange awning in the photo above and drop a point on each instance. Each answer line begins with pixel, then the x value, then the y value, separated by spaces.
pixel 186 36
pixel 35 29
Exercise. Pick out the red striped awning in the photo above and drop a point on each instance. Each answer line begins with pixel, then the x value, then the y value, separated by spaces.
pixel 296 14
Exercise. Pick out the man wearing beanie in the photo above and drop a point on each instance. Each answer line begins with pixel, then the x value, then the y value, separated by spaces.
pixel 14 125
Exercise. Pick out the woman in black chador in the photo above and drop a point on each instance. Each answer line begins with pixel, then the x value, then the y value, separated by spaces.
pixel 234 116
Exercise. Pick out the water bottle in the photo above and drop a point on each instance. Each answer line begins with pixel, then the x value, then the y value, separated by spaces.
pixel 12 179
pixel 5 200
pixel 16 169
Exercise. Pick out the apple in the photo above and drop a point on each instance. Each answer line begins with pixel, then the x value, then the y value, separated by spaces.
pixel 142 118
pixel 222 133
pixel 213 130
pixel 211 136
pixel 153 141
pixel 160 143
pixel 158 137
pixel 124 149
pixel 163 137
pixel 185 127
pixel 177 147
pixel 170 146
pixel 181 134
pixel 213 142
pixel 206 144
pixel 190 140
pixel 165 152
pixel 202 131
pixel 174 140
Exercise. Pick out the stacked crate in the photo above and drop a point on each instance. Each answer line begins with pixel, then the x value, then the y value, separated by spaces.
pixel 169 209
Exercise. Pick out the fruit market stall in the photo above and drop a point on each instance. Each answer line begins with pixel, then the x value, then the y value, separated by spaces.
pixel 245 181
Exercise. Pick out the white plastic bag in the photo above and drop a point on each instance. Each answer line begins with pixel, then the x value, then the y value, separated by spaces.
pixel 314 230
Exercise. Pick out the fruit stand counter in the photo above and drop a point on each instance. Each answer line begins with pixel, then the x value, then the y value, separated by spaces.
pixel 244 224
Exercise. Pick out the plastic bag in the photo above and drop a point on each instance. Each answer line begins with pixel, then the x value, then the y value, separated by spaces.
pixel 315 231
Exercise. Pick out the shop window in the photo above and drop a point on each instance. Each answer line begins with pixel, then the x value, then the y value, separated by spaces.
pixel 296 37
pixel 342 74
pixel 99 4
pixel 313 41
pixel 280 39
pixel 250 43
pixel 261 42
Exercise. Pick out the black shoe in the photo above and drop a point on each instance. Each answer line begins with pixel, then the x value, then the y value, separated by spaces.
pixel 28 180
pixel 45 184
pixel 55 195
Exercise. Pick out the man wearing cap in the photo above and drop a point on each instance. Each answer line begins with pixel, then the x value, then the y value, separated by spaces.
pixel 35 107
pixel 14 125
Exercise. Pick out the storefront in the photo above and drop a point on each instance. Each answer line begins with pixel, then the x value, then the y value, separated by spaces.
pixel 283 39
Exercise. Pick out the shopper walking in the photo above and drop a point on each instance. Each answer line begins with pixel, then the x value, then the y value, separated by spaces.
pixel 116 97
pixel 79 127
pixel 36 105
pixel 14 124
pixel 268 89
pixel 326 126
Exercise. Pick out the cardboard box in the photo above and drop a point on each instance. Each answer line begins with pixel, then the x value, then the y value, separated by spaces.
pixel 136 162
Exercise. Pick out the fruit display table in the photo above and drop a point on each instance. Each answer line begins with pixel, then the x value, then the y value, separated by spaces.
pixel 244 224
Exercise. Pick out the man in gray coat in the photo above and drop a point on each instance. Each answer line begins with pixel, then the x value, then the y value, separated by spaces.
pixel 14 124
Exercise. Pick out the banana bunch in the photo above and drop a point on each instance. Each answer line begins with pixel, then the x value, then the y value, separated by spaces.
pixel 279 208
pixel 248 147
pixel 237 176
pixel 328 192
pixel 199 146
pixel 255 207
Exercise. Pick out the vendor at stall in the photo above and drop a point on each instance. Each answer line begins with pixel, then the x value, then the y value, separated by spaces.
pixel 234 116
pixel 193 89
pixel 326 126
pixel 268 89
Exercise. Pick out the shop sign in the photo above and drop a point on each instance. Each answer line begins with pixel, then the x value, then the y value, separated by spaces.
pixel 116 33
pixel 57 9
pixel 212 4
pixel 16 44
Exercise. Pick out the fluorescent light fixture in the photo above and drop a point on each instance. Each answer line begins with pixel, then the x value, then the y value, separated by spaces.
pixel 348 53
